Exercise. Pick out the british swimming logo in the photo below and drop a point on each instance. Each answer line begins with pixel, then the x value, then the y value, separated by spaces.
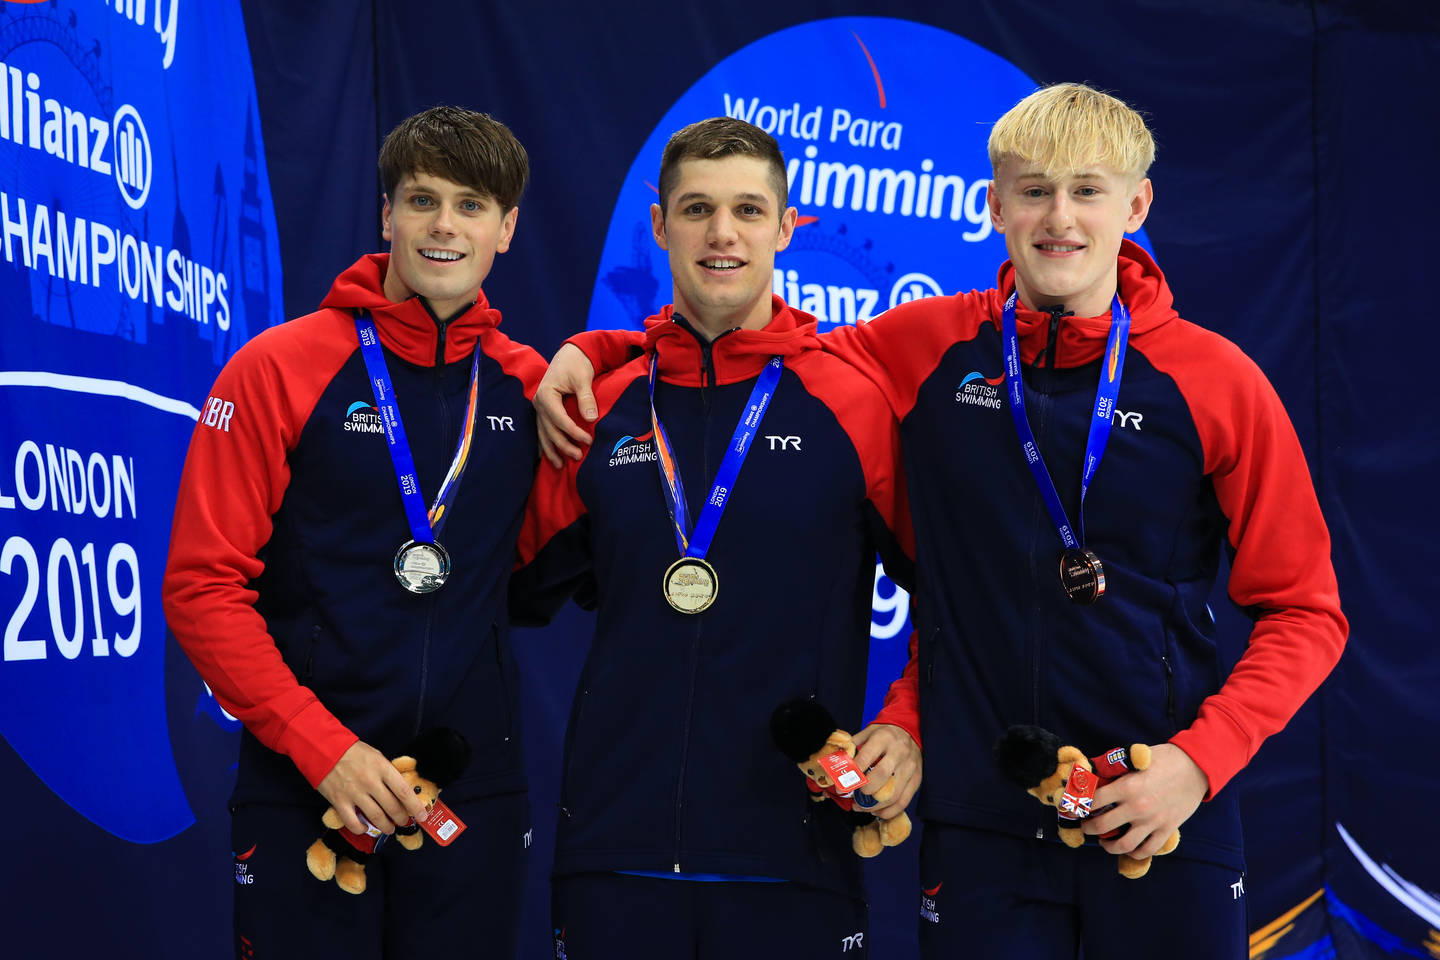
pixel 362 417
pixel 243 876
pixel 630 449
pixel 978 390
pixel 928 909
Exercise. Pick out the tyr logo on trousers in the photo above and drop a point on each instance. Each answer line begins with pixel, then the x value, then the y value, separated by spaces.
pixel 783 443
pixel 501 423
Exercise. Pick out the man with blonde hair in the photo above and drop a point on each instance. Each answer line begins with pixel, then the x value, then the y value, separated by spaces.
pixel 1068 535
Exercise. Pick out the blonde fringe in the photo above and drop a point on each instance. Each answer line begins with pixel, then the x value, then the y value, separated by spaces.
pixel 1070 128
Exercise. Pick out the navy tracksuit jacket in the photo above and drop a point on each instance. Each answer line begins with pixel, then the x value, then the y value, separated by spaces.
pixel 669 763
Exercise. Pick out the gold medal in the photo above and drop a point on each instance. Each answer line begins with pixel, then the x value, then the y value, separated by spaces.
pixel 421 567
pixel 690 585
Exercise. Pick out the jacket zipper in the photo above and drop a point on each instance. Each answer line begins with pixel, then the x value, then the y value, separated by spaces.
pixel 430 601
pixel 685 746
pixel 504 687
pixel 1047 356
pixel 707 360
pixel 1038 545
pixel 424 662
pixel 707 380
pixel 707 375
pixel 1040 516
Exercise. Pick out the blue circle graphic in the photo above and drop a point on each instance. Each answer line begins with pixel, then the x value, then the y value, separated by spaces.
pixel 883 124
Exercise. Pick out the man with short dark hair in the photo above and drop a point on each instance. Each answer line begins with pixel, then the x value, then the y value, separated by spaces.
pixel 339 597
pixel 721 592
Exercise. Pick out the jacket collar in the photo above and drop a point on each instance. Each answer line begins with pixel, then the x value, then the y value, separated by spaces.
pixel 408 328
pixel 735 355
pixel 1082 339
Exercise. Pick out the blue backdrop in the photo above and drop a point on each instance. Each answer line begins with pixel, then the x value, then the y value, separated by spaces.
pixel 156 158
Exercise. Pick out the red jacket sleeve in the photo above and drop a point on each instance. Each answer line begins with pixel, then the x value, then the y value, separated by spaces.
pixel 874 433
pixel 234 480
pixel 902 700
pixel 900 349
pixel 516 359
pixel 1280 571
pixel 608 349
pixel 553 551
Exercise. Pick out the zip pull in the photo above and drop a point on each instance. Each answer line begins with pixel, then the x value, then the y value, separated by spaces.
pixel 707 374
pixel 440 344
pixel 1057 310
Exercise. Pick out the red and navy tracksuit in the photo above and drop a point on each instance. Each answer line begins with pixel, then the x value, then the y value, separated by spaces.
pixel 669 764
pixel 1202 458
pixel 280 588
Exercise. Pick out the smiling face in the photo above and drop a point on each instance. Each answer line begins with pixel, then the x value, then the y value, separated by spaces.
pixel 722 230
pixel 443 240
pixel 1063 231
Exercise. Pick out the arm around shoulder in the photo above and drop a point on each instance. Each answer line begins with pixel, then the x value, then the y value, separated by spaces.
pixel 553 551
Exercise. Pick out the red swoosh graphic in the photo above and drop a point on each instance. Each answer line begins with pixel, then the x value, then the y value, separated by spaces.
pixel 246 854
pixel 935 889
pixel 879 87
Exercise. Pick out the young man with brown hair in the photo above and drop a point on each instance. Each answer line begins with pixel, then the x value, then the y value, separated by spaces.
pixel 1078 456
pixel 722 592
pixel 330 610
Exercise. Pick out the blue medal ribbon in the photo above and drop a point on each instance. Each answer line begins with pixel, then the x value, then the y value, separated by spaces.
pixel 424 526
pixel 1100 422
pixel 696 543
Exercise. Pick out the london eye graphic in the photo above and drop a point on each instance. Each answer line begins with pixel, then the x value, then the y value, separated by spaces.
pixel 57 33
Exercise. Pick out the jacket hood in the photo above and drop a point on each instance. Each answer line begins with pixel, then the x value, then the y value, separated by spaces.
pixel 408 328
pixel 1082 339
pixel 735 355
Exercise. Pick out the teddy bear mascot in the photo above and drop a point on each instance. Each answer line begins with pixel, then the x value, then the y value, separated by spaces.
pixel 1061 776
pixel 435 758
pixel 806 733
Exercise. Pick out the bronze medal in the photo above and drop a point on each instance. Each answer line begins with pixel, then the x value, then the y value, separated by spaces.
pixel 690 585
pixel 421 567
pixel 1081 575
